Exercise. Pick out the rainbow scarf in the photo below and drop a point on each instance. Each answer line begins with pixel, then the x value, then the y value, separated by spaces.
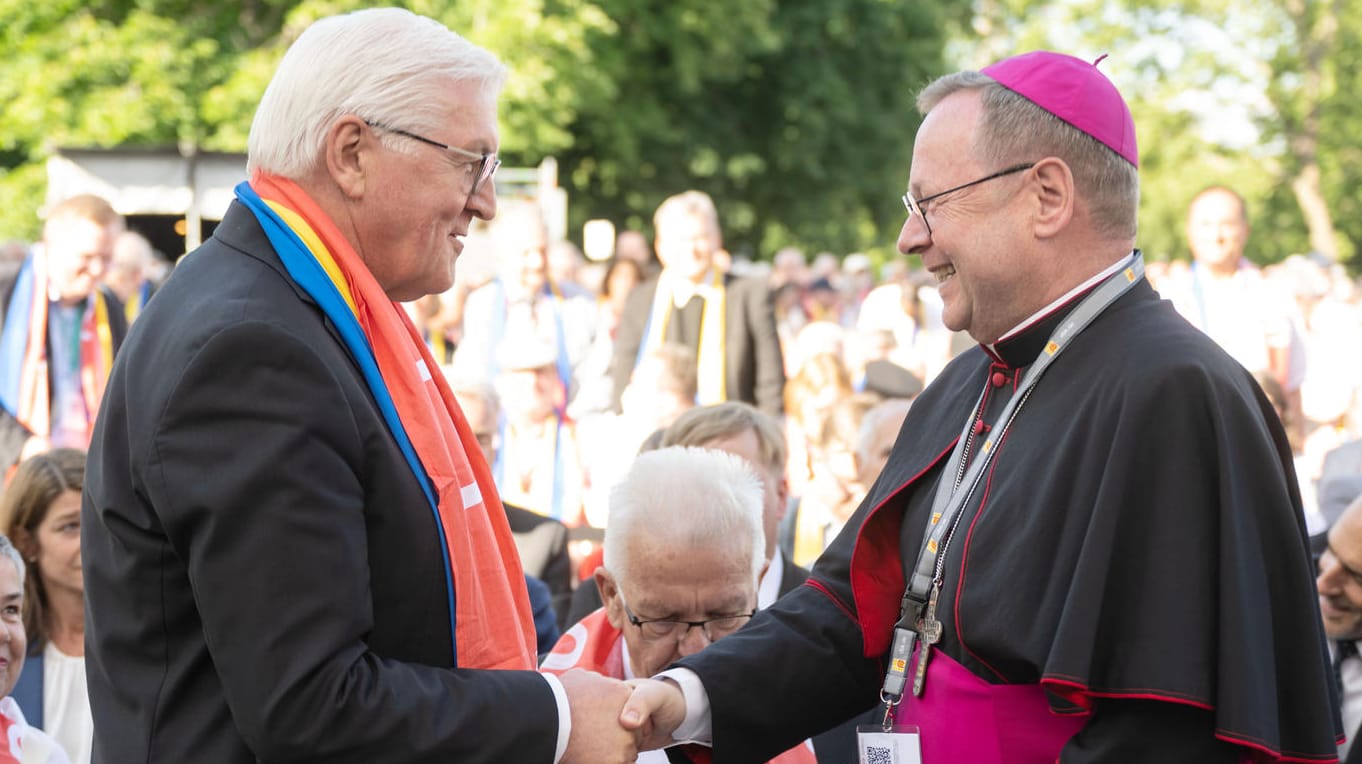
pixel 25 391
pixel 489 608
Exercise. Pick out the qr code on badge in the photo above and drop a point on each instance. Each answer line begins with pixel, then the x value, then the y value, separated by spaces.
pixel 877 755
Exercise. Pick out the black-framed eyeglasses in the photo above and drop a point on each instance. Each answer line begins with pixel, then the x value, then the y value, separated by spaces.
pixel 714 628
pixel 919 206
pixel 486 164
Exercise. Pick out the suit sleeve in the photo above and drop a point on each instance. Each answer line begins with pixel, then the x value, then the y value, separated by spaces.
pixel 257 469
pixel 769 390
pixel 629 337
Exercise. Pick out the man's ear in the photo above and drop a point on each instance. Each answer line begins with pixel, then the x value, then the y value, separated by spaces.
pixel 783 494
pixel 609 589
pixel 1055 199
pixel 348 153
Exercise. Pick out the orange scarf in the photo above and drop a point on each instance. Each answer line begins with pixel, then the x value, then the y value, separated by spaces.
pixel 493 623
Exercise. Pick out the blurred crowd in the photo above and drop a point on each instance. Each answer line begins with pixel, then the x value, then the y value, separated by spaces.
pixel 568 368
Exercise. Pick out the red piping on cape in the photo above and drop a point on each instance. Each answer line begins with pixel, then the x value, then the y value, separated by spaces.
pixel 876 569
pixel 1081 695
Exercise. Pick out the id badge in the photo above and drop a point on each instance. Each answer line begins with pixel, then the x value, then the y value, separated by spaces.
pixel 900 745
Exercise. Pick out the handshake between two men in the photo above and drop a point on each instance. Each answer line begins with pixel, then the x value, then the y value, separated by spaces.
pixel 614 720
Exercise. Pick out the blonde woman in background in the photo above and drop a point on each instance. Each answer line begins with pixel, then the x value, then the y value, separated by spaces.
pixel 40 512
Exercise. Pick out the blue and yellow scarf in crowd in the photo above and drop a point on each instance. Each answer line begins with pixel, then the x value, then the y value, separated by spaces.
pixel 25 389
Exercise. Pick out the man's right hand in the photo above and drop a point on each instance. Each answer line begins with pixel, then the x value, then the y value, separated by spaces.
pixel 655 710
pixel 597 736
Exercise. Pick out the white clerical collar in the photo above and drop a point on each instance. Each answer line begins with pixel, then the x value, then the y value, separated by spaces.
pixel 1066 297
pixel 682 288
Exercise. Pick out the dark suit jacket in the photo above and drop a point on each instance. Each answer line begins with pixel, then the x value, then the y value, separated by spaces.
pixel 264 576
pixel 753 364
pixel 13 434
pixel 542 544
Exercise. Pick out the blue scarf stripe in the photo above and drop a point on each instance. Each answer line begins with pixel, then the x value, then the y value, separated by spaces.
pixel 14 338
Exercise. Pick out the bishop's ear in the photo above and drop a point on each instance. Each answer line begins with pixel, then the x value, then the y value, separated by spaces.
pixel 1054 189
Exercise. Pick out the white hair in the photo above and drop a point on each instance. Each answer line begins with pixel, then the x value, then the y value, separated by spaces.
pixel 7 549
pixel 467 385
pixel 689 497
pixel 384 65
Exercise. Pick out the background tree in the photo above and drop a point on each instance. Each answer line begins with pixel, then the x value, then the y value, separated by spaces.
pixel 795 114
pixel 1257 96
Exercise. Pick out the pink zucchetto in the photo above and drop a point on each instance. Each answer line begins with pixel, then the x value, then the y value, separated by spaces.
pixel 1073 90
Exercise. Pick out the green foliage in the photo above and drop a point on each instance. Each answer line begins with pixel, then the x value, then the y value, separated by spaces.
pixel 118 73
pixel 1287 70
pixel 796 115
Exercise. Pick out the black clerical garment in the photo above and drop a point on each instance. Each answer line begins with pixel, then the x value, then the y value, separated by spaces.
pixel 1136 550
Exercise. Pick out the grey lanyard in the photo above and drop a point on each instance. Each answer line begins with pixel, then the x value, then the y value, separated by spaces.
pixel 950 499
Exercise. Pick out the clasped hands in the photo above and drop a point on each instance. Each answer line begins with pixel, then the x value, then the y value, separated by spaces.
pixel 612 720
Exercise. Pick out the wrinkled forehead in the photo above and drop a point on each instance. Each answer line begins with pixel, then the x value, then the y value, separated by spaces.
pixel 945 142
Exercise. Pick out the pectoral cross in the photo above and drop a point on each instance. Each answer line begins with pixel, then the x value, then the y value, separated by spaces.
pixel 929 633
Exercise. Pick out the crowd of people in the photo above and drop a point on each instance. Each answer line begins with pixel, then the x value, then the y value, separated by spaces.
pixel 329 485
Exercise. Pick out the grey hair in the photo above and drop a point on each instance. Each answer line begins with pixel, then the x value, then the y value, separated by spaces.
pixel 465 385
pixel 704 424
pixel 689 497
pixel 1014 129
pixel 384 65
pixel 7 549
pixel 696 204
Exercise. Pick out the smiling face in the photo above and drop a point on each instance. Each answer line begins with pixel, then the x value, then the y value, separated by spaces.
pixel 1217 230
pixel 58 535
pixel 972 248
pixel 415 210
pixel 78 253
pixel 686 242
pixel 1340 577
pixel 13 638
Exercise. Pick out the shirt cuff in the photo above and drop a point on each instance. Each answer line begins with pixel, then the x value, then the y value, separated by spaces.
pixel 564 716
pixel 697 727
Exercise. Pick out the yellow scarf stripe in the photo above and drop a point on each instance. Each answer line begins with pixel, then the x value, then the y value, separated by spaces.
pixel 103 333
pixel 317 248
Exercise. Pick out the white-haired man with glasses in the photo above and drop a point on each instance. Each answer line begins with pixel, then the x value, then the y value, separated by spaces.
pixel 294 548
pixel 684 548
